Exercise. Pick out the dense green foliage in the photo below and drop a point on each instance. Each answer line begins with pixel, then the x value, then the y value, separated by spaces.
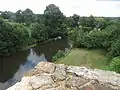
pixel 114 65
pixel 106 38
pixel 12 36
pixel 39 32
pixel 55 21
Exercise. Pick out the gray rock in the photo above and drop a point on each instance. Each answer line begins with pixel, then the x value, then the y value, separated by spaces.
pixel 60 72
pixel 108 77
pixel 38 81
pixel 82 71
pixel 76 81
pixel 46 67
pixel 48 76
pixel 42 68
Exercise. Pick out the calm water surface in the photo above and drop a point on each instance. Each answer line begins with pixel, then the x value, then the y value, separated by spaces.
pixel 14 67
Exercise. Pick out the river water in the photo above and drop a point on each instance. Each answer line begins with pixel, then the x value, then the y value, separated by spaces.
pixel 13 68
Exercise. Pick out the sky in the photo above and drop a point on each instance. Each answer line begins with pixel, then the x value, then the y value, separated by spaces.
pixel 68 7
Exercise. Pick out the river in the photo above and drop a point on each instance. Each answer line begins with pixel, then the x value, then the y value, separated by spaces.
pixel 13 68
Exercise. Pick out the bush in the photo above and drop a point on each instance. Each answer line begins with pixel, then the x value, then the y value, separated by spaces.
pixel 94 39
pixel 115 64
pixel 115 49
pixel 58 55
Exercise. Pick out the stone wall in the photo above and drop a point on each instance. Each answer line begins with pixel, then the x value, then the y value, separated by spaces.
pixel 49 76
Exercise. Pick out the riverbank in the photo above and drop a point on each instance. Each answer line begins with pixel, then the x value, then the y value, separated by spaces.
pixel 40 43
pixel 84 57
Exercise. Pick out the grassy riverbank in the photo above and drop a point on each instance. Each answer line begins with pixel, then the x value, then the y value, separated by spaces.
pixel 84 57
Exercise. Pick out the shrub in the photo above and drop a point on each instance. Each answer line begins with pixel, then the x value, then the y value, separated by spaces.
pixel 94 39
pixel 115 64
pixel 58 55
pixel 115 48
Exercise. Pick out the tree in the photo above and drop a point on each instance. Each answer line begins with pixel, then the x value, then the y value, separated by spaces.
pixel 102 23
pixel 88 23
pixel 28 16
pixel 19 16
pixel 39 18
pixel 8 15
pixel 55 20
pixel 91 22
pixel 69 22
pixel 13 36
pixel 76 20
pixel 39 32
